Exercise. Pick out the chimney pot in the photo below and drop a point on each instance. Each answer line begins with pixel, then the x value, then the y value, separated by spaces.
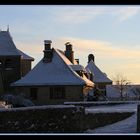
pixel 69 52
pixel 47 41
pixel 91 57
pixel 48 52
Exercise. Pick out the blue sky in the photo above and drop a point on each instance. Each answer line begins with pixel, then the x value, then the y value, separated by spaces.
pixel 111 33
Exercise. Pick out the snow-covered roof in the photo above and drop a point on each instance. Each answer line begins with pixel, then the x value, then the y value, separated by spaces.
pixel 47 41
pixel 98 75
pixel 88 70
pixel 77 67
pixel 25 56
pixel 68 62
pixel 57 72
pixel 7 46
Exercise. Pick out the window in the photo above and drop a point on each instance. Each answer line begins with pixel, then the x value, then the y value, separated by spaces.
pixel 101 86
pixel 33 93
pixel 8 63
pixel 57 93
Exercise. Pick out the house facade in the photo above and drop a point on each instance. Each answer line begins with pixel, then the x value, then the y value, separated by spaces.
pixel 57 78
pixel 11 65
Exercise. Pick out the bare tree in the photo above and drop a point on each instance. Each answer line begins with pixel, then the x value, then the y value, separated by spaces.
pixel 121 83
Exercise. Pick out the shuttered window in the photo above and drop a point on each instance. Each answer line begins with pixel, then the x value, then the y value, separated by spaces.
pixel 57 93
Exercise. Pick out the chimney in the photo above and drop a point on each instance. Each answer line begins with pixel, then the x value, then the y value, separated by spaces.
pixel 48 52
pixel 69 53
pixel 91 57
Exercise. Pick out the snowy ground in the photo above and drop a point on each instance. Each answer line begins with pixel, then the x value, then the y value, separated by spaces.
pixel 112 108
pixel 127 126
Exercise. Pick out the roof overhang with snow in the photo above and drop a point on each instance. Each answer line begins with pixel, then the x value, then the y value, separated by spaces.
pixel 57 72
pixel 25 56
pixel 98 75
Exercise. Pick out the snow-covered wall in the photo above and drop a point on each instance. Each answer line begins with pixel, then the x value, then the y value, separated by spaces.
pixel 54 119
pixel 41 119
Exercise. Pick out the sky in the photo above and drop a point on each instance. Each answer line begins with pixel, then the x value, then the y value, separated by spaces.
pixel 110 32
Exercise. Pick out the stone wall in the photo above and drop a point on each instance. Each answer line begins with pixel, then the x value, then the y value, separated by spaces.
pixel 43 119
pixel 54 119
pixel 25 66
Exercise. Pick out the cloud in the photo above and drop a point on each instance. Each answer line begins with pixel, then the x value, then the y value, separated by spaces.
pixel 34 49
pixel 109 57
pixel 81 14
pixel 128 69
pixel 77 14
pixel 103 48
pixel 126 13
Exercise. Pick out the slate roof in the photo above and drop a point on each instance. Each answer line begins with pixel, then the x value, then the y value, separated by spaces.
pixel 7 46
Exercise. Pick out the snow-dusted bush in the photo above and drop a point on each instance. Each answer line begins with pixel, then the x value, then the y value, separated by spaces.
pixel 17 100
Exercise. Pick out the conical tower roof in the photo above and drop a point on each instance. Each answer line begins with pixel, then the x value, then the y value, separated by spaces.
pixel 98 75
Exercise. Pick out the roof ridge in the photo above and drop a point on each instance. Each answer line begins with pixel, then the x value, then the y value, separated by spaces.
pixel 75 74
pixel 69 67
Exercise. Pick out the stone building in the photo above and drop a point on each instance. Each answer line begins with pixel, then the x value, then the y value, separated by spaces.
pixel 57 78
pixel 99 78
pixel 12 62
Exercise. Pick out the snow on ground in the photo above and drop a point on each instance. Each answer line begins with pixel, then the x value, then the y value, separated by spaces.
pixel 37 107
pixel 128 125
pixel 101 102
pixel 112 108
